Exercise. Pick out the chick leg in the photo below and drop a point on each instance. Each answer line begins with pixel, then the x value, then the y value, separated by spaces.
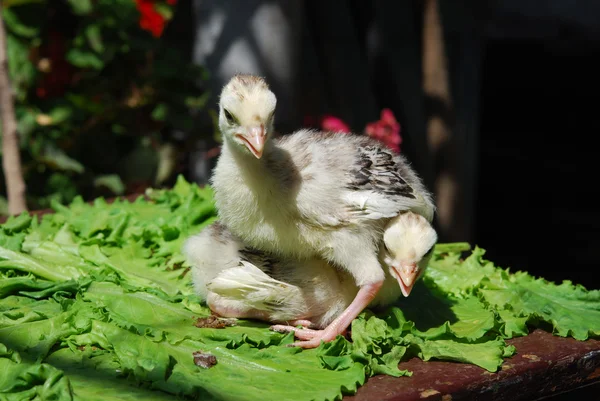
pixel 301 322
pixel 301 334
pixel 313 338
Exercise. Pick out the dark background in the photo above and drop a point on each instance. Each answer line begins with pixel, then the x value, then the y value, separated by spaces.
pixel 537 203
pixel 524 85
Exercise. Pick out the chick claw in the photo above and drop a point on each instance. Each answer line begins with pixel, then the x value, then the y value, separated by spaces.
pixel 310 338
pixel 300 333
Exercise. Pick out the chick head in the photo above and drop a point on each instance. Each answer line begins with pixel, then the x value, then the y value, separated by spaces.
pixel 246 113
pixel 408 242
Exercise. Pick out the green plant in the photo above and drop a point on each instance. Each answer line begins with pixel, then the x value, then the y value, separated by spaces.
pixel 98 94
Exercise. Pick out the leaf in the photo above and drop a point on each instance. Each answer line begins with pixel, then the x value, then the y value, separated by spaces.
pixel 197 102
pixel 18 261
pixel 460 278
pixel 148 313
pixel 111 181
pixel 436 315
pixel 84 59
pixel 60 114
pixel 81 7
pixel 58 159
pixel 36 338
pixel 167 161
pixel 512 325
pixel 376 345
pixel 94 377
pixel 12 3
pixel 22 71
pixel 488 355
pixel 570 309
pixel 16 224
pixel 171 368
pixel 164 10
pixel 25 380
pixel 12 285
pixel 85 103
pixel 15 24
pixel 387 340
pixel 102 294
pixel 40 310
pixel 26 124
pixel 93 34
pixel 160 112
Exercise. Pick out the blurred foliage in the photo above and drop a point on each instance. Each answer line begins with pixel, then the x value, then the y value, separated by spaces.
pixel 100 95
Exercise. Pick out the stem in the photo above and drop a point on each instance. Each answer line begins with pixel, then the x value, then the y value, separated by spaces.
pixel 11 158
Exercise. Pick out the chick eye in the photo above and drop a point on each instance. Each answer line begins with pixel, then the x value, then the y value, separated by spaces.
pixel 229 116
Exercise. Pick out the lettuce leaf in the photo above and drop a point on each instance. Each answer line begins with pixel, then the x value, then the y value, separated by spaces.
pixel 570 309
pixel 96 303
pixel 31 381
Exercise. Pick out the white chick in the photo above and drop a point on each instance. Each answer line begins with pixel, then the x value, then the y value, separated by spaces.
pixel 239 282
pixel 310 194
pixel 408 242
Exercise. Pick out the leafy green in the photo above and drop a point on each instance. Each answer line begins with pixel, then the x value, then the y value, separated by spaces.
pixel 520 298
pixel 570 309
pixel 96 303
pixel 31 381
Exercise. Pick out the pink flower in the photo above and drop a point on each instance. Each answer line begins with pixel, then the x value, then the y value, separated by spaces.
pixel 334 124
pixel 386 130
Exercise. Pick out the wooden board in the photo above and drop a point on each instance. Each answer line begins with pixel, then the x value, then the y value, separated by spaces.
pixel 544 365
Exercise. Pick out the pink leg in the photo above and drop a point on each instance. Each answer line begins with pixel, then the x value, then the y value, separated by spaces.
pixel 313 338
pixel 301 322
pixel 302 334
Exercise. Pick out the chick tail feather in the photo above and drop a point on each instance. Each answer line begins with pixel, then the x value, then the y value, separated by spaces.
pixel 259 291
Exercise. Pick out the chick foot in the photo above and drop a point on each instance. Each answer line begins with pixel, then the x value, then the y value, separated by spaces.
pixel 339 326
pixel 310 338
pixel 301 322
pixel 300 333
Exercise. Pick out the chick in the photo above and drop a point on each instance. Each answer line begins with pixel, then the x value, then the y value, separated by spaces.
pixel 310 194
pixel 409 240
pixel 408 243
pixel 239 282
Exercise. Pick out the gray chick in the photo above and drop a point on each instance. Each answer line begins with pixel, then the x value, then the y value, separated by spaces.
pixel 311 194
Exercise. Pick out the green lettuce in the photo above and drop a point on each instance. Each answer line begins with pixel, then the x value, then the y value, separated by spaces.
pixel 96 303
pixel 22 380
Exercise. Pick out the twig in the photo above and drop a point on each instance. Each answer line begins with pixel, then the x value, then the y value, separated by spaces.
pixel 11 158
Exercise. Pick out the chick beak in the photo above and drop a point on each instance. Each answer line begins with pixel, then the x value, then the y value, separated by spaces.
pixel 407 274
pixel 254 139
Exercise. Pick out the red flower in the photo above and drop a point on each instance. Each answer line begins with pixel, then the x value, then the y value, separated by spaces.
pixel 331 123
pixel 150 19
pixel 386 130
